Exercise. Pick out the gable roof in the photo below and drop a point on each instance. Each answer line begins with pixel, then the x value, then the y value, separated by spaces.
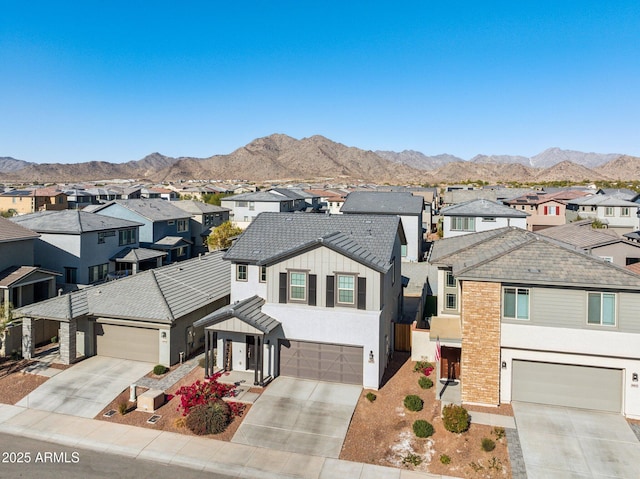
pixel 10 231
pixel 582 235
pixel 483 208
pixel 71 222
pixel 159 295
pixel 518 256
pixel 383 203
pixel 249 311
pixel 153 209
pixel 603 200
pixel 15 274
pixel 271 237
pixel 263 197
pixel 198 207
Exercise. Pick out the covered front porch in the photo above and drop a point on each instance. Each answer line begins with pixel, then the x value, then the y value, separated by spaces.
pixel 21 285
pixel 133 260
pixel 446 332
pixel 236 338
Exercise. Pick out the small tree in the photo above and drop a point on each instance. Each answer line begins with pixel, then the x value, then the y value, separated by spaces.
pixel 222 235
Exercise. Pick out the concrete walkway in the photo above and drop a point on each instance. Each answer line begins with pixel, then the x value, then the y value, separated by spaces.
pixel 197 453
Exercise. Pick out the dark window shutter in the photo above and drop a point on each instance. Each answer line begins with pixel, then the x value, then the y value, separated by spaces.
pixel 330 291
pixel 311 293
pixel 362 293
pixel 283 287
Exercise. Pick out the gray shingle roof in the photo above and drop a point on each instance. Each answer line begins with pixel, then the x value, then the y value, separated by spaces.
pixel 482 208
pixel 10 231
pixel 581 234
pixel 383 203
pixel 514 255
pixel 159 295
pixel 259 196
pixel 441 249
pixel 248 310
pixel 71 222
pixel 602 200
pixel 368 239
pixel 198 207
pixel 154 209
pixel 133 255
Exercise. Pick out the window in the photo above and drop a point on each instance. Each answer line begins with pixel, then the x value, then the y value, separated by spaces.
pixel 181 251
pixel 208 220
pixel 488 219
pixel 602 309
pixel 171 222
pixel 403 250
pixel 263 274
pixel 126 237
pixel 451 291
pixel 346 289
pixel 608 259
pixel 183 225
pixel 241 272
pixel 70 275
pixel 462 223
pixel 252 205
pixel 241 204
pixel 552 210
pixel 452 301
pixel 451 280
pixel 515 304
pixel 608 211
pixel 98 272
pixel 101 237
pixel 297 286
pixel 624 211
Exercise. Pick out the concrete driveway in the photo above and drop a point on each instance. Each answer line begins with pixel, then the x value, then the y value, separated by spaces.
pixel 300 415
pixel 85 388
pixel 561 442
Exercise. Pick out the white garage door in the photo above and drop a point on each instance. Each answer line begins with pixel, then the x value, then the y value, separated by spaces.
pixel 321 361
pixel 126 342
pixel 567 385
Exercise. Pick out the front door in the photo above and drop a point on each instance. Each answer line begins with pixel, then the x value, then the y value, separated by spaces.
pixel 251 352
pixel 450 363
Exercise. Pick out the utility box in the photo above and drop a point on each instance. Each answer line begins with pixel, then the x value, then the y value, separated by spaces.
pixel 151 400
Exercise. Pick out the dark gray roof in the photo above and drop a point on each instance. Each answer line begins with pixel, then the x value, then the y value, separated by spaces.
pixel 198 207
pixel 441 249
pixel 154 209
pixel 134 255
pixel 483 208
pixel 10 231
pixel 158 295
pixel 259 196
pixel 514 255
pixel 71 222
pixel 248 311
pixel 383 203
pixel 498 194
pixel 634 235
pixel 271 237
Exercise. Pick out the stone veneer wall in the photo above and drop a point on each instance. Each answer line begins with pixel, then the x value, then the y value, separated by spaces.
pixel 480 363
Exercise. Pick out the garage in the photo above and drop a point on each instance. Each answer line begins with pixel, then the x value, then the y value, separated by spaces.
pixel 569 385
pixel 127 342
pixel 321 361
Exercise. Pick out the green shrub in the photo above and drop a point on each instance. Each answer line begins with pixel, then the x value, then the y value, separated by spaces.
pixel 159 369
pixel 412 459
pixel 499 432
pixel 425 382
pixel 371 397
pixel 413 403
pixel 122 408
pixel 421 365
pixel 210 418
pixel 422 428
pixel 444 459
pixel 54 339
pixel 455 418
pixel 488 445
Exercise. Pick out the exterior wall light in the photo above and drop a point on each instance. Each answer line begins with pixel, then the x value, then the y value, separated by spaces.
pixel 634 377
pixel 163 335
pixel 504 365
pixel 371 358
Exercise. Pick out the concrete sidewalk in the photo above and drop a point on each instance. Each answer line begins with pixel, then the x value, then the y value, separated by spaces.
pixel 193 452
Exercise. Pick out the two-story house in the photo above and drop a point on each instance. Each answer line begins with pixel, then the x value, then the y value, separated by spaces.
pixel 204 217
pixel 545 209
pixel 165 227
pixel 30 201
pixel 247 206
pixel 479 215
pixel 537 321
pixel 80 245
pixel 615 213
pixel 406 206
pixel 312 296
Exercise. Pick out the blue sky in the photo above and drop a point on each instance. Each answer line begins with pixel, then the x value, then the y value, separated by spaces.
pixel 114 81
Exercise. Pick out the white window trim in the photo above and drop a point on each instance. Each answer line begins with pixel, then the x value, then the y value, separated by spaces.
pixel 246 272
pixel 291 286
pixel 615 310
pixel 515 318
pixel 354 289
pixel 262 274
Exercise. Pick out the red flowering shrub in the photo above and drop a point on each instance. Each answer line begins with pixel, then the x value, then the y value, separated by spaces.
pixel 206 392
pixel 426 371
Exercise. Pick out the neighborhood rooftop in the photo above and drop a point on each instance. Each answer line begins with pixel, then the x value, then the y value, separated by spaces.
pixel 484 208
pixel 365 238
pixel 152 209
pixel 10 231
pixel 158 295
pixel 71 222
pixel 378 202
pixel 581 234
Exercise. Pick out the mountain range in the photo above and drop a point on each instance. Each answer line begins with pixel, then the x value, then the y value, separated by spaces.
pixel 281 157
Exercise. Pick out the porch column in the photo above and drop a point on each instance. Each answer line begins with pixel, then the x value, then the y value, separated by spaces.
pixel 27 340
pixel 213 342
pixel 207 354
pixel 256 370
pixel 68 341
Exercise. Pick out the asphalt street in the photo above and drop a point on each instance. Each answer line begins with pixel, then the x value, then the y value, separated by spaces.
pixel 28 458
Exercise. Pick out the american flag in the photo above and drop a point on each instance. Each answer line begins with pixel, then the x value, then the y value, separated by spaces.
pixel 438 349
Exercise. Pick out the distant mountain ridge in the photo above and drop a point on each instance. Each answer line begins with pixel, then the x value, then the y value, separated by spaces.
pixel 281 157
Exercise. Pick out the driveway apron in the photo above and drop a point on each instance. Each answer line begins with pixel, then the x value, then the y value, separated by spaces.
pixel 300 415
pixel 561 442
pixel 87 387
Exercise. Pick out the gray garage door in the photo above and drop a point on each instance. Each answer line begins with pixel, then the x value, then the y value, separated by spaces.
pixel 567 385
pixel 126 342
pixel 321 361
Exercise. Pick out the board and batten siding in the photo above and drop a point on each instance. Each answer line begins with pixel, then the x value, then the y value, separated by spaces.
pixel 324 262
pixel 567 308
